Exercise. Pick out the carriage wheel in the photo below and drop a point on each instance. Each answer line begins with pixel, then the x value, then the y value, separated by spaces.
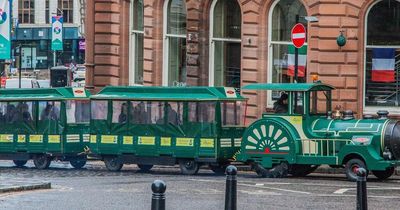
pixel 41 161
pixel 145 168
pixel 277 171
pixel 189 167
pixel 113 164
pixel 78 163
pixel 351 168
pixel 384 174
pixel 20 163
pixel 298 170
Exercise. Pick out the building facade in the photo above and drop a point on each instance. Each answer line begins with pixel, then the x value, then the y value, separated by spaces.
pixel 31 33
pixel 237 42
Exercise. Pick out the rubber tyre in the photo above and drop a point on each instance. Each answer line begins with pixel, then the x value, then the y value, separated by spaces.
pixel 218 169
pixel 381 175
pixel 112 164
pixel 351 166
pixel 78 163
pixel 298 170
pixel 145 168
pixel 277 171
pixel 20 163
pixel 41 161
pixel 189 167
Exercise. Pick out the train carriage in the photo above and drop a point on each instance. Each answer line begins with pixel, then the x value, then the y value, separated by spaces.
pixel 308 134
pixel 150 126
pixel 44 125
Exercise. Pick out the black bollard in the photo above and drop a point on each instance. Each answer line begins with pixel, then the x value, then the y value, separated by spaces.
pixel 230 190
pixel 362 203
pixel 158 199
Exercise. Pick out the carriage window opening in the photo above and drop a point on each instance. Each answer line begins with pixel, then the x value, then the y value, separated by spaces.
pixel 156 111
pixel 99 110
pixel 281 105
pixel 298 102
pixel 120 112
pixel 174 112
pixel 78 111
pixel 233 113
pixel 49 110
pixel 3 112
pixel 319 102
pixel 19 112
pixel 139 113
pixel 202 112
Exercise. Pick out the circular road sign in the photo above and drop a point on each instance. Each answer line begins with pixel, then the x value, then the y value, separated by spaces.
pixel 298 35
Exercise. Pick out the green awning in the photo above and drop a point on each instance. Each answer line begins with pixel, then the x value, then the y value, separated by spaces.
pixel 289 86
pixel 35 94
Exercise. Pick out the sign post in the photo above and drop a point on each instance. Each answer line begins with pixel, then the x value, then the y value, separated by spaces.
pixel 298 39
pixel 5 29
pixel 56 35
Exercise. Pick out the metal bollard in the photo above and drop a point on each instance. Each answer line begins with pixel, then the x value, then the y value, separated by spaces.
pixel 362 203
pixel 158 198
pixel 230 190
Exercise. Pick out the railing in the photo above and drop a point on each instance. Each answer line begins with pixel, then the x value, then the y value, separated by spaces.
pixel 322 147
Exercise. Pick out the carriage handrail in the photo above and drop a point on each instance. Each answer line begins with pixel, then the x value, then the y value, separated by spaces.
pixel 319 149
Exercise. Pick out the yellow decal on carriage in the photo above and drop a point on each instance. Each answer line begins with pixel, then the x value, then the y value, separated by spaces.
pixel 93 138
pixel 184 142
pixel 127 140
pixel 166 141
pixel 5 138
pixel 21 139
pixel 296 120
pixel 55 139
pixel 36 138
pixel 109 139
pixel 209 143
pixel 147 140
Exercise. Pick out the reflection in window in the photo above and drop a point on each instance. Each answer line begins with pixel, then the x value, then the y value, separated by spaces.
pixel 99 110
pixel 202 112
pixel 383 47
pixel 14 112
pixel 78 111
pixel 120 112
pixel 175 40
pixel 233 113
pixel 226 43
pixel 137 35
pixel 156 112
pixel 49 110
pixel 139 113
pixel 319 102
pixel 175 113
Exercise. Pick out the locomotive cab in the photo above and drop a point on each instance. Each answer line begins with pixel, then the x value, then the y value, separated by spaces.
pixel 308 134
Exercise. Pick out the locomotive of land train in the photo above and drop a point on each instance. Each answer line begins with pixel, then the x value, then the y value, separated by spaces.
pixel 191 126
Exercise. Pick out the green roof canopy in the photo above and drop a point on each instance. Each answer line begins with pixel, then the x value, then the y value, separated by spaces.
pixel 28 94
pixel 289 86
pixel 153 93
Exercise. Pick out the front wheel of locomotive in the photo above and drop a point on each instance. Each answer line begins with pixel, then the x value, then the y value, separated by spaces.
pixel 189 167
pixel 384 174
pixel 351 168
pixel 78 163
pixel 20 163
pixel 113 163
pixel 41 161
pixel 277 171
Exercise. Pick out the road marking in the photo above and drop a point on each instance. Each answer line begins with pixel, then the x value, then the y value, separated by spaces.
pixel 259 184
pixel 341 191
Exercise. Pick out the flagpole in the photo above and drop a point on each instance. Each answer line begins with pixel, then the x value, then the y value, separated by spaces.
pixel 296 58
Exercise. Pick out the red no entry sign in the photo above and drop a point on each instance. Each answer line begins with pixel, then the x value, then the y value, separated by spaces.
pixel 298 35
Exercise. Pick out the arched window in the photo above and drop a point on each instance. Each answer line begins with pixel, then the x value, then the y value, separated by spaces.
pixel 382 56
pixel 282 18
pixel 174 62
pixel 225 43
pixel 136 40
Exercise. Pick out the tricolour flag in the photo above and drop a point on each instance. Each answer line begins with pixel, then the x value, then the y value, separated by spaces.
pixel 301 63
pixel 383 61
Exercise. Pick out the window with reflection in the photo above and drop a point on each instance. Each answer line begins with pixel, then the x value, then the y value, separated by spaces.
pixel 99 110
pixel 137 40
pixel 233 113
pixel 320 102
pixel 49 110
pixel 382 51
pixel 139 113
pixel 225 56
pixel 120 112
pixel 175 43
pixel 78 111
pixel 281 64
pixel 202 112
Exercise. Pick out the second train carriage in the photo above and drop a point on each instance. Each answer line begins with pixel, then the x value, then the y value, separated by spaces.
pixel 43 125
pixel 150 126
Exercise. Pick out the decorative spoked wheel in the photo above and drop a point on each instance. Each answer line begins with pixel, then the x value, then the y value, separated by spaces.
pixel 189 167
pixel 352 167
pixel 299 170
pixel 78 163
pixel 42 161
pixel 20 163
pixel 384 174
pixel 218 169
pixel 277 171
pixel 113 163
pixel 145 168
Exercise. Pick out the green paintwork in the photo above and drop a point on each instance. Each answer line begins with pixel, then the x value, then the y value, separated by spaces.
pixel 312 138
pixel 51 136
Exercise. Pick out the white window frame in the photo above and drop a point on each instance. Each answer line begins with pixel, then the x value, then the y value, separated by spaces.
pixel 132 40
pixel 211 70
pixel 374 109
